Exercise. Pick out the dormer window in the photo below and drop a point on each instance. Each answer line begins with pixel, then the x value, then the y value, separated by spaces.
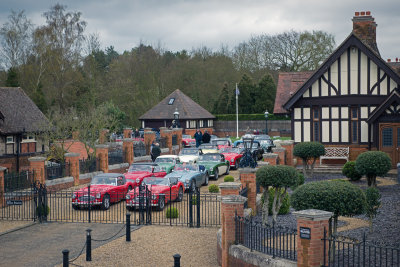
pixel 171 101
pixel 10 139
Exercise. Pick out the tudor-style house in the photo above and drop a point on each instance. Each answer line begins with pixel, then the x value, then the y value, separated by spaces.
pixel 20 121
pixel 352 100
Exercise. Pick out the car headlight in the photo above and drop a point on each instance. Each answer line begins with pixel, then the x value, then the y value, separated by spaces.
pixel 128 196
pixel 232 160
pixel 98 195
pixel 154 197
pixel 74 195
pixel 137 180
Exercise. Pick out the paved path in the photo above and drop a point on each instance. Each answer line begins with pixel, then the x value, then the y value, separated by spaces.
pixel 42 244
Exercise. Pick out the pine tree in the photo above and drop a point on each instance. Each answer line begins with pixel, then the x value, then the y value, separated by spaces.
pixel 264 95
pixel 12 78
pixel 246 88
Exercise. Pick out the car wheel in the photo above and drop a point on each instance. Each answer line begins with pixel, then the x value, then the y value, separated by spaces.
pixel 105 205
pixel 207 178
pixel 161 203
pixel 216 176
pixel 180 194
pixel 75 207
pixel 227 170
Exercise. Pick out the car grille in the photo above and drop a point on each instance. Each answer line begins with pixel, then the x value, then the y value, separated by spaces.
pixel 86 198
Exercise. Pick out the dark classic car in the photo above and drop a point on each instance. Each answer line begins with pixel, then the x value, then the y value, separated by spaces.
pixel 256 148
pixel 265 141
pixel 105 189
pixel 193 176
pixel 215 164
pixel 138 171
pixel 161 191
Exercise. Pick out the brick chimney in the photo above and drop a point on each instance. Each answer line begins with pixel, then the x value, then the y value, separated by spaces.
pixel 364 27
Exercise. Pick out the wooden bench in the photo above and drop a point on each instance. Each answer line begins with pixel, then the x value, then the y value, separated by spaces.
pixel 335 153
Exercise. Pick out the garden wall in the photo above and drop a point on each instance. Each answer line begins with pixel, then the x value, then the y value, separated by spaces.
pixel 275 128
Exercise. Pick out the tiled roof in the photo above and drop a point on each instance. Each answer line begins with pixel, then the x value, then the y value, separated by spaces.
pixel 288 84
pixel 188 109
pixel 18 113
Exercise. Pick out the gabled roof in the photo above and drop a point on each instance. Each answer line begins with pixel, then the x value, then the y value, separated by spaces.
pixel 394 97
pixel 187 108
pixel 19 113
pixel 351 40
pixel 288 84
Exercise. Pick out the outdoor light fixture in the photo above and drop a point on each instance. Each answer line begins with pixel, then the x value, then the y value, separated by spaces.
pixel 266 113
pixel 176 118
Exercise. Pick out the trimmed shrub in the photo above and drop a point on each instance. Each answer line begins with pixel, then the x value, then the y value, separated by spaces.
pixel 349 170
pixel 372 164
pixel 213 188
pixel 373 202
pixel 172 213
pixel 229 178
pixel 285 203
pixel 42 210
pixel 309 151
pixel 300 181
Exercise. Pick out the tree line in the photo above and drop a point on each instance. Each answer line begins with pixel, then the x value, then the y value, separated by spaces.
pixel 61 67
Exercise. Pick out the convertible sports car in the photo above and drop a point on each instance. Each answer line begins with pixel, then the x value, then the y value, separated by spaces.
pixel 138 171
pixel 265 141
pixel 162 190
pixel 189 155
pixel 222 142
pixel 105 189
pixel 188 141
pixel 233 155
pixel 191 175
pixel 167 162
pixel 215 164
pixel 208 148
pixel 256 149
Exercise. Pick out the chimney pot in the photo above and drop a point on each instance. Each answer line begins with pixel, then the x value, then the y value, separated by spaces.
pixel 389 60
pixel 397 59
pixel 362 13
pixel 368 13
pixel 357 14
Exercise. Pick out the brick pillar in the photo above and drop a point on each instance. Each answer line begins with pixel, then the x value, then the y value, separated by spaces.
pixel 102 155
pixel 281 154
pixel 288 145
pixel 36 164
pixel 178 132
pixel 127 148
pixel 310 226
pixel 149 137
pixel 229 205
pixel 271 158
pixel 248 179
pixel 73 160
pixel 147 130
pixel 167 134
pixel 103 136
pixel 2 199
pixel 229 188
pixel 127 132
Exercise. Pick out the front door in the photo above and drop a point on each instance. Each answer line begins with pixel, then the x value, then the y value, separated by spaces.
pixel 389 141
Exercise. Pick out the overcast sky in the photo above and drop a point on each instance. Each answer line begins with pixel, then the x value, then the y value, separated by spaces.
pixel 187 24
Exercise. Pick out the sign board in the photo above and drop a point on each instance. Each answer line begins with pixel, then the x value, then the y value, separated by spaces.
pixel 14 202
pixel 305 233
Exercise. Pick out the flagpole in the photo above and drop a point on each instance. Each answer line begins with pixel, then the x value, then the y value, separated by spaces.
pixel 237 113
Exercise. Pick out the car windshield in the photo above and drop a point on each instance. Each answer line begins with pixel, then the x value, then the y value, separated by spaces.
pixel 164 160
pixel 261 137
pixel 155 181
pixel 185 167
pixel 186 136
pixel 220 142
pixel 230 150
pixel 189 152
pixel 207 147
pixel 104 180
pixel 140 168
pixel 210 157
pixel 265 142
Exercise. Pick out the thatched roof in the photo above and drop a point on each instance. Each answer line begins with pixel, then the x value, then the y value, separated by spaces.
pixel 188 109
pixel 18 113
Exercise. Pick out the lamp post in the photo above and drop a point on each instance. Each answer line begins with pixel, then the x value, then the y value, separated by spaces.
pixel 176 118
pixel 266 121
pixel 247 159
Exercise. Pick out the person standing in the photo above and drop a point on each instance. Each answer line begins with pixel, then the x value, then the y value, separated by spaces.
pixel 206 137
pixel 198 136
pixel 155 152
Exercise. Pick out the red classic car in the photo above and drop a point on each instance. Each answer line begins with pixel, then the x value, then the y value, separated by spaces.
pixel 188 141
pixel 160 191
pixel 105 189
pixel 138 171
pixel 222 142
pixel 233 154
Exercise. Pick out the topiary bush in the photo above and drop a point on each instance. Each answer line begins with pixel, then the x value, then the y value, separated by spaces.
pixel 229 178
pixel 372 164
pixel 172 213
pixel 300 181
pixel 213 188
pixel 285 203
pixel 340 197
pixel 309 151
pixel 349 170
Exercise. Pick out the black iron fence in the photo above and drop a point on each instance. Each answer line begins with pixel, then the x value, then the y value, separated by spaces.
pixel 174 140
pixel 89 165
pixel 139 149
pixel 272 240
pixel 243 193
pixel 344 251
pixel 115 157
pixel 163 142
pixel 54 170
pixel 18 181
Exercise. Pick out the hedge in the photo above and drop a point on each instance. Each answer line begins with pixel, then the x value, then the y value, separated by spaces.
pixel 249 117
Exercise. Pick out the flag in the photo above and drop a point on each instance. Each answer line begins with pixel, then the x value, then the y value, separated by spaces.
pixel 237 90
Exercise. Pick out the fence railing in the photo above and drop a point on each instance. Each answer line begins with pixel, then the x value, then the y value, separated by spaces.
pixel 272 240
pixel 17 181
pixel 115 157
pixel 343 251
pixel 174 140
pixel 89 165
pixel 54 170
pixel 139 149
